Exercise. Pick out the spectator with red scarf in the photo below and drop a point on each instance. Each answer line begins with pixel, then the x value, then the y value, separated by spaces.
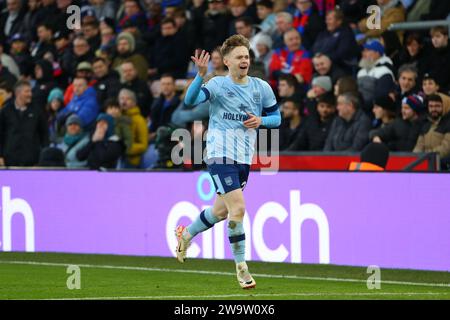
pixel 291 59
pixel 307 21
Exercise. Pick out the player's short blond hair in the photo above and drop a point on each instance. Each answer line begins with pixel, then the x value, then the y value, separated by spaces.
pixel 232 42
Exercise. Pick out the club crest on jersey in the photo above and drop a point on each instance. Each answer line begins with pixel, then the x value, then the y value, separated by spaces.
pixel 256 97
pixel 230 94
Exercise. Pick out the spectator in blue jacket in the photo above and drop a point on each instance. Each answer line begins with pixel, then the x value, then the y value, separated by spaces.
pixel 84 104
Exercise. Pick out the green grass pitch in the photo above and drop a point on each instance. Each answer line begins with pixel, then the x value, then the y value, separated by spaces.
pixel 44 276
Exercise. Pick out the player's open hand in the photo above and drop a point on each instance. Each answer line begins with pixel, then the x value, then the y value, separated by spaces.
pixel 252 122
pixel 201 60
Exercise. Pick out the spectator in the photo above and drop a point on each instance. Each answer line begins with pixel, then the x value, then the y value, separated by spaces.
pixel 430 87
pixel 108 37
pixel 11 20
pixel 6 76
pixel 107 81
pixel 324 66
pixel 34 16
pixel 6 93
pixel 215 24
pixel 392 11
pixel 55 102
pixel 126 52
pixel 134 12
pixel 440 57
pixel 349 131
pixel 19 52
pixel 317 126
pixel 307 21
pixel 384 111
pixel 45 42
pixel 139 131
pixel 51 157
pixel 292 122
pixel 122 123
pixel 186 29
pixel 346 84
pixel 375 77
pixel 238 10
pixel 164 105
pixel 103 8
pixel 169 53
pixel 283 22
pixel 266 15
pixel 23 129
pixel 216 67
pixel 392 47
pixel 435 134
pixel 84 70
pixel 104 148
pixel 407 83
pixel 320 86
pixel 415 53
pixel 74 140
pixel 140 88
pixel 81 52
pixel 402 134
pixel 288 88
pixel 43 72
pixel 291 59
pixel 244 27
pixel 263 52
pixel 140 44
pixel 337 42
pixel 84 104
pixel 91 30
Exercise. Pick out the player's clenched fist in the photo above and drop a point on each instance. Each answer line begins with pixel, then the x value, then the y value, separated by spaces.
pixel 252 122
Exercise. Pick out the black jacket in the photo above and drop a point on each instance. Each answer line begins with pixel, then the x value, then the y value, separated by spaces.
pixel 107 86
pixel 43 85
pixel 15 28
pixel 22 134
pixel 314 135
pixel 349 136
pixel 288 135
pixel 101 154
pixel 161 115
pixel 170 55
pixel 400 135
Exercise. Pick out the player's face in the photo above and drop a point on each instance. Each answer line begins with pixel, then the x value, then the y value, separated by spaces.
pixel 238 61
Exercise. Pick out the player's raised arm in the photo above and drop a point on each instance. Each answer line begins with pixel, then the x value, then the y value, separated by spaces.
pixel 194 94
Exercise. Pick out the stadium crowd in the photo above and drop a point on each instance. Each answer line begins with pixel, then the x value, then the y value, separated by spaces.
pixel 110 92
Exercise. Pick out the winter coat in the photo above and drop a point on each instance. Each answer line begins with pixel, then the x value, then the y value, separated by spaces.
pixel 349 136
pixel 435 137
pixel 22 134
pixel 85 106
pixel 71 153
pixel 139 132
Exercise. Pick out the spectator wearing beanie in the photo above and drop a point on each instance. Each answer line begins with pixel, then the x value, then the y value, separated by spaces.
pixel 435 134
pixel 126 52
pixel 74 139
pixel 317 126
pixel 320 85
pixel 402 133
pixel 263 52
pixel 375 77
pixel 55 102
pixel 384 111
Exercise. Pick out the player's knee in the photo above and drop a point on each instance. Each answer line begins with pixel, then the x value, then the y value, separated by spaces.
pixel 221 213
pixel 238 212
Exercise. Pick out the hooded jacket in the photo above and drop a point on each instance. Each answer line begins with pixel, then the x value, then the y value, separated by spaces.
pixel 44 85
pixel 139 62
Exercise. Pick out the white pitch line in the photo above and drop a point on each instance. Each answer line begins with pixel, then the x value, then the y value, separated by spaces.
pixel 294 294
pixel 220 273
